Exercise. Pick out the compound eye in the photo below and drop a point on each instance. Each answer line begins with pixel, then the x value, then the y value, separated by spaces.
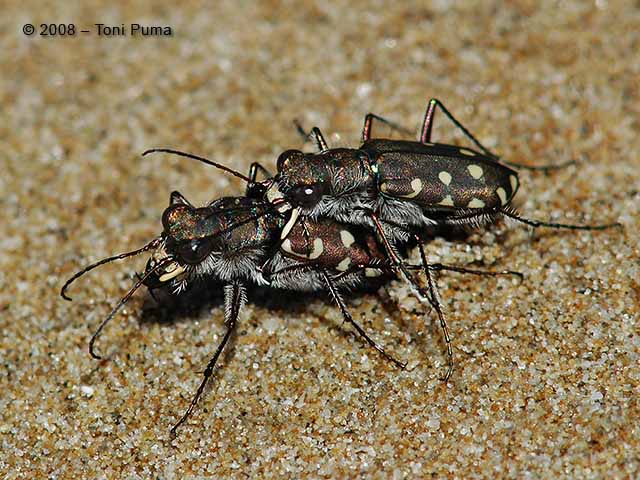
pixel 306 196
pixel 175 215
pixel 193 251
pixel 286 157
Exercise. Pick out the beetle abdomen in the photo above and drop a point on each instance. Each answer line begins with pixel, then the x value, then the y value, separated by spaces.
pixel 443 177
pixel 333 246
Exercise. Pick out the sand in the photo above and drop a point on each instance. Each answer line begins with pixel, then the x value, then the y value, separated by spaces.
pixel 546 382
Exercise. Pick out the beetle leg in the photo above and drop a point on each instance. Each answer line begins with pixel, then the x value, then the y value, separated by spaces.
pixel 430 296
pixel 314 134
pixel 438 267
pixel 427 126
pixel 368 123
pixel 433 290
pixel 257 167
pixel 425 137
pixel 234 299
pixel 348 318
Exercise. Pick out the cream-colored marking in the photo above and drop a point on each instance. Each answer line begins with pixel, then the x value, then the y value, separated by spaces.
pixel 416 186
pixel 475 171
pixel 343 266
pixel 347 238
pixel 286 246
pixel 290 224
pixel 172 271
pixel 445 177
pixel 446 201
pixel 372 272
pixel 318 248
pixel 158 255
pixel 513 180
pixel 383 188
pixel 466 151
pixel 502 194
pixel 475 203
pixel 274 194
pixel 374 168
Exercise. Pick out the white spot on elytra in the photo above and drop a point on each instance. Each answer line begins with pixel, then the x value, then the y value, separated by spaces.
pixel 445 177
pixel 502 194
pixel 446 201
pixel 475 171
pixel 286 246
pixel 466 151
pixel 475 203
pixel 318 248
pixel 416 186
pixel 343 266
pixel 347 238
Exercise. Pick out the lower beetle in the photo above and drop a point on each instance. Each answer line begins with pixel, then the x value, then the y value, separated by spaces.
pixel 240 241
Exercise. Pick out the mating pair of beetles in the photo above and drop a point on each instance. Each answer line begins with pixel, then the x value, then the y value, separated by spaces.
pixel 332 220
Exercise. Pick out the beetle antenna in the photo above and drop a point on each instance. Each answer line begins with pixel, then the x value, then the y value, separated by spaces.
pixel 151 245
pixel 122 301
pixel 200 159
pixel 537 223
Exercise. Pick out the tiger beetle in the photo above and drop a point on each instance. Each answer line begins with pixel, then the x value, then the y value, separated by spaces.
pixel 237 240
pixel 412 184
pixel 399 189
pixel 242 240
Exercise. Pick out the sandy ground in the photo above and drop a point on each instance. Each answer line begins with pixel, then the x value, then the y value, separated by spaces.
pixel 547 379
